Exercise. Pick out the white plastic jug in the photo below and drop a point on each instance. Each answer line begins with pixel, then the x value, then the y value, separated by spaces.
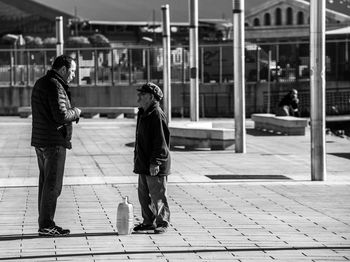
pixel 125 217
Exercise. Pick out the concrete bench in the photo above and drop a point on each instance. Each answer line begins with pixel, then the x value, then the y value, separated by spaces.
pixel 205 136
pixel 110 112
pixel 288 125
pixel 89 112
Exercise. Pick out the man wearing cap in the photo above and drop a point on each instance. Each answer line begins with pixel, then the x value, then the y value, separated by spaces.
pixel 152 160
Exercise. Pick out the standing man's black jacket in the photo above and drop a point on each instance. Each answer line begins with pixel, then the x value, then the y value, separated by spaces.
pixel 152 141
pixel 52 112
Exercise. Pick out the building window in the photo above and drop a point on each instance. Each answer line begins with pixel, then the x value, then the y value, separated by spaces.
pixel 300 18
pixel 278 16
pixel 289 16
pixel 267 19
pixel 256 22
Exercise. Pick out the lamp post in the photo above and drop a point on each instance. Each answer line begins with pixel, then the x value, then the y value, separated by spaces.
pixel 166 59
pixel 194 82
pixel 318 87
pixel 59 35
pixel 238 74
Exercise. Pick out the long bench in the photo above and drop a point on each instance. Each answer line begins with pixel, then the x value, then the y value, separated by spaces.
pixel 110 112
pixel 89 112
pixel 24 111
pixel 191 136
pixel 288 125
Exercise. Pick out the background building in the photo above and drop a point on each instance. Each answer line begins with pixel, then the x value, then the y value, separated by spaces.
pixel 132 52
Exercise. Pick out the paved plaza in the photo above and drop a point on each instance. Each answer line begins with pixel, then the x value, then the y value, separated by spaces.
pixel 258 206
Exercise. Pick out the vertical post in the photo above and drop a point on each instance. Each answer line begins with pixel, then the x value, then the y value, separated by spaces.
pixel 59 35
pixel 112 67
pixel 78 68
pixel 277 61
pixel 183 69
pixel 220 64
pixel 202 64
pixel 95 67
pixel 194 83
pixel 130 65
pixel 238 74
pixel 45 62
pixel 258 63
pixel 166 59
pixel 12 67
pixel 148 64
pixel 269 83
pixel 28 68
pixel 318 86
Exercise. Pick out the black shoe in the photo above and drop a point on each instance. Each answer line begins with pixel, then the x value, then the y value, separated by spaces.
pixel 54 231
pixel 160 230
pixel 143 227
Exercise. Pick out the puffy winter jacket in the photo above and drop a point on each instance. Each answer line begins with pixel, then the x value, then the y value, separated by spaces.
pixel 52 112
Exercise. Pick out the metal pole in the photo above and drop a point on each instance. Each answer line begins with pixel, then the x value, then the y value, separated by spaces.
pixel 166 59
pixel 318 87
pixel 78 78
pixel 12 67
pixel 130 65
pixel 220 64
pixel 148 64
pixel 269 83
pixel 194 81
pixel 238 74
pixel 45 62
pixel 59 35
pixel 112 67
pixel 258 63
pixel 202 64
pixel 95 67
pixel 28 68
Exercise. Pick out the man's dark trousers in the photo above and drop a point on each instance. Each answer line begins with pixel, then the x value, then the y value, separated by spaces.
pixel 51 161
pixel 152 191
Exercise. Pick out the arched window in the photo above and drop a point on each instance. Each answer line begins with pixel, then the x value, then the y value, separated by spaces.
pixel 278 16
pixel 267 19
pixel 300 18
pixel 289 16
pixel 256 22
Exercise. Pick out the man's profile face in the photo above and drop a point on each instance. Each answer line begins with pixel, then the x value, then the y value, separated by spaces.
pixel 144 99
pixel 70 73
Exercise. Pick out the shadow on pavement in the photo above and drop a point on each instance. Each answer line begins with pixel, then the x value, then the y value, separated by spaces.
pixel 184 251
pixel 343 155
pixel 33 236
pixel 254 132
pixel 237 177
pixel 131 144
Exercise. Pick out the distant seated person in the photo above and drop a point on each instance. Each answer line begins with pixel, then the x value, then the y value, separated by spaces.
pixel 289 104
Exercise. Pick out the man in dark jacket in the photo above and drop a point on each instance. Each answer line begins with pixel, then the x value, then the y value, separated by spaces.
pixel 152 160
pixel 51 135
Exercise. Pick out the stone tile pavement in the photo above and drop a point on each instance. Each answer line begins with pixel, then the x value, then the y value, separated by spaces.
pixel 258 206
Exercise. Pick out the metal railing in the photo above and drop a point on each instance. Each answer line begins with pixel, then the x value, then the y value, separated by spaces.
pixel 134 64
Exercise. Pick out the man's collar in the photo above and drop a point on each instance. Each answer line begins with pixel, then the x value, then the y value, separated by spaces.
pixel 55 74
